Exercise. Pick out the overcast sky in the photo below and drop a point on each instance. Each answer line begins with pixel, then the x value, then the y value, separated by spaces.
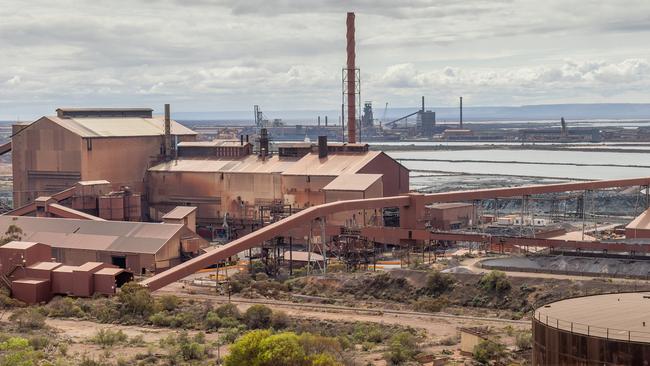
pixel 203 55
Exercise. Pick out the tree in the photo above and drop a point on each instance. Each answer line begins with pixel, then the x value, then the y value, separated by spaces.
pixel 495 281
pixel 403 347
pixel 246 349
pixel 281 349
pixel 13 233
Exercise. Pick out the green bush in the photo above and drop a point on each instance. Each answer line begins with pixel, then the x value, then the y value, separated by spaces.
pixel 279 320
pixel 109 338
pixel 16 351
pixel 487 351
pixel 161 319
pixel 6 301
pixel 135 301
pixel 169 302
pixel 495 281
pixel 228 310
pixel 402 347
pixel 182 348
pixel 429 305
pixel 262 348
pixel 438 283
pixel 258 317
pixel 64 307
pixel 524 340
pixel 28 319
pixel 212 321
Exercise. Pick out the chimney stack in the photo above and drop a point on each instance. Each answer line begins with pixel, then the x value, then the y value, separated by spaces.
pixel 168 133
pixel 423 103
pixel 318 121
pixel 247 138
pixel 322 147
pixel 351 76
pixel 325 121
pixel 241 140
pixel 461 113
pixel 264 143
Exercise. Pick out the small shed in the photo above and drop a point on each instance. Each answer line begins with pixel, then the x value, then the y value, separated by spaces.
pixel 31 290
pixel 83 284
pixel 107 280
pixel 471 337
pixel 22 253
pixel 62 280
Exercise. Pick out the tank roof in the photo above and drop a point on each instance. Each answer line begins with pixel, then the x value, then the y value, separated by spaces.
pixel 621 316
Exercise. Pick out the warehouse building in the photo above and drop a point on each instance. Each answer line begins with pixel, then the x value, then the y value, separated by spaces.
pixel 298 178
pixel 118 145
pixel 135 246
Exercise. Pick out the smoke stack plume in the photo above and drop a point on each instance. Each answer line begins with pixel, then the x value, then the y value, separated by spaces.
pixel 351 76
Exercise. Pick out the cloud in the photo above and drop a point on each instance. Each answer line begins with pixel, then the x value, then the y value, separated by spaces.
pixel 227 54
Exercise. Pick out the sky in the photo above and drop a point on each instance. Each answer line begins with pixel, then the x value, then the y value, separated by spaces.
pixel 226 55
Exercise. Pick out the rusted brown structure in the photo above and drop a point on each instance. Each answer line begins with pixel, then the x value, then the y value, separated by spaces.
pixel 351 79
pixel 411 221
pixel 136 246
pixel 238 187
pixel 55 152
pixel 451 216
pixel 593 330
pixel 32 278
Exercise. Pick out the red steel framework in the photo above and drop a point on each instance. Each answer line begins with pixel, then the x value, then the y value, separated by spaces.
pixel 411 225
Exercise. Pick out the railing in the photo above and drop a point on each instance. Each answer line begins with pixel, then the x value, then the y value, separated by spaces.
pixel 592 330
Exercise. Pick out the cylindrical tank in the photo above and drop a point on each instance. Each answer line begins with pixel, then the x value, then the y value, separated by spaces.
pixel 612 329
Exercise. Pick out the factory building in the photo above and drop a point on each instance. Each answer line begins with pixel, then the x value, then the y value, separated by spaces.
pixel 118 145
pixel 639 228
pixel 592 330
pixel 451 216
pixel 135 246
pixel 297 177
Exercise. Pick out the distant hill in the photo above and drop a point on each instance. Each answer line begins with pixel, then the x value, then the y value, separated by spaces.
pixel 519 113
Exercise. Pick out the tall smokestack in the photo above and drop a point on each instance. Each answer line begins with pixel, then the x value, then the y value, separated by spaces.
pixel 325 121
pixel 461 113
pixel 351 75
pixel 168 133
pixel 318 121
pixel 423 103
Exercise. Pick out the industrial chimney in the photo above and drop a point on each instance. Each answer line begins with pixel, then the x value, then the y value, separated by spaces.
pixel 322 147
pixel 461 113
pixel 351 76
pixel 264 143
pixel 168 133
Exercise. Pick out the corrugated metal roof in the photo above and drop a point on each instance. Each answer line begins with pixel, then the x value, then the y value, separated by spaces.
pixel 179 212
pixel 442 206
pixel 213 143
pixel 641 222
pixel 117 236
pixel 109 271
pixel 119 127
pixel 332 165
pixel 248 164
pixel 352 182
pixel 88 266
pixel 19 244
pixel 48 266
pixel 574 236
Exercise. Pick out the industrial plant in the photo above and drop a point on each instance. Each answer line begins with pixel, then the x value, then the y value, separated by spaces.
pixel 324 218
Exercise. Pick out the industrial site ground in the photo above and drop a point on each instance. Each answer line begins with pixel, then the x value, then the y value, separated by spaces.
pixel 390 317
